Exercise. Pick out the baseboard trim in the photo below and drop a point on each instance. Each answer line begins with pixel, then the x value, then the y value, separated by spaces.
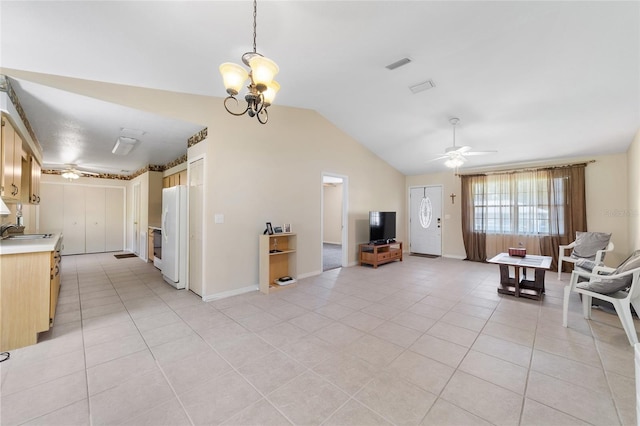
pixel 454 256
pixel 229 293
pixel 309 274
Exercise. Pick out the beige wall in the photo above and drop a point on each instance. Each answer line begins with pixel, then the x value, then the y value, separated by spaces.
pixel 606 193
pixel 332 215
pixel 273 173
pixel 263 173
pixel 175 169
pixel 633 187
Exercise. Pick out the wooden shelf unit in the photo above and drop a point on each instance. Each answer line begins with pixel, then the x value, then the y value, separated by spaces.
pixel 274 265
pixel 379 254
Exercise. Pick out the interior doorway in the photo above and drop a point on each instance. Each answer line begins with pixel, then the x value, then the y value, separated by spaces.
pixel 334 221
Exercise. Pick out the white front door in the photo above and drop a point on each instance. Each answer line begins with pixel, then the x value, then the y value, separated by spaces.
pixel 426 220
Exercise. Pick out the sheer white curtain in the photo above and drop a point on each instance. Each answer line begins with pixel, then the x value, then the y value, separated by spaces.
pixel 535 209
pixel 517 211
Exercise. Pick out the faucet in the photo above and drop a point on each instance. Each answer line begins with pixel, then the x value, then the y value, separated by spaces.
pixel 4 228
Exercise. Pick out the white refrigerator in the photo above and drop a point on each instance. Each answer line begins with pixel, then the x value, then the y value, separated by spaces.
pixel 174 236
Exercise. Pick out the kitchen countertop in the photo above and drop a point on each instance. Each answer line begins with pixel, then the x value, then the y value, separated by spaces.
pixel 30 246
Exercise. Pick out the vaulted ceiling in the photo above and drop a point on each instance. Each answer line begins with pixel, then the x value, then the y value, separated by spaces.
pixel 531 80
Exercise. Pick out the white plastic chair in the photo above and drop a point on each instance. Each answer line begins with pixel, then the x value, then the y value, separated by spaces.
pixel 562 256
pixel 621 300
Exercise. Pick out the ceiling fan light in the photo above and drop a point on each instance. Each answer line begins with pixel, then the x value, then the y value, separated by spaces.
pixel 233 76
pixel 263 70
pixel 70 174
pixel 270 93
pixel 454 162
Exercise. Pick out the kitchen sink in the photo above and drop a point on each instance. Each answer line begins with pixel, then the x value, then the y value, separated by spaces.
pixel 29 236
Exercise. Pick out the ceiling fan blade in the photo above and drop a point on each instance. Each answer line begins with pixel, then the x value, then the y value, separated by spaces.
pixel 442 157
pixel 479 152
pixel 48 165
pixel 463 149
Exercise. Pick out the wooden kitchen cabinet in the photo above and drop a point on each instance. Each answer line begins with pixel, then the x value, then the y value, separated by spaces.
pixel 182 178
pixel 34 180
pixel 54 280
pixel 28 296
pixel 11 186
pixel 179 178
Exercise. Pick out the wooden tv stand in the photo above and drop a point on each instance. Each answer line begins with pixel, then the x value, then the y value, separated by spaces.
pixel 379 254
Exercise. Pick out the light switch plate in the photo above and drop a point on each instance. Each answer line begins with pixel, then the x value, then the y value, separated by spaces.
pixel 218 218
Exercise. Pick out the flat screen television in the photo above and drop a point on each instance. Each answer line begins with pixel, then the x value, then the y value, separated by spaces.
pixel 382 227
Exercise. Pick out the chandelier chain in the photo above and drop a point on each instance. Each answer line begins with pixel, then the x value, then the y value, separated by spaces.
pixel 255 16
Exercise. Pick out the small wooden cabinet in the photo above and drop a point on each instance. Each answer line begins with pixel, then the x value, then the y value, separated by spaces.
pixel 277 260
pixel 378 254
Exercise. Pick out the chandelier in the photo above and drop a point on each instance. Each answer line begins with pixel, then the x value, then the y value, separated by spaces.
pixel 262 88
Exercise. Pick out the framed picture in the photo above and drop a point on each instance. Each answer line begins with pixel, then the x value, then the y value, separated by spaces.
pixel 277 230
pixel 269 228
pixel 286 228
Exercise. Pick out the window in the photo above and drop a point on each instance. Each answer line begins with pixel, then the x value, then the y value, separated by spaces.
pixel 519 203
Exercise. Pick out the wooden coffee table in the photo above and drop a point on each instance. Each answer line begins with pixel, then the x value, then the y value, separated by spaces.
pixel 532 289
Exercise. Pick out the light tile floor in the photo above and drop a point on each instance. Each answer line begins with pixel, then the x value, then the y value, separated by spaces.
pixel 425 341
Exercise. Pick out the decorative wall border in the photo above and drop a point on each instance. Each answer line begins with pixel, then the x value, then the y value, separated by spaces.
pixel 149 168
pixel 5 86
pixel 98 176
pixel 198 137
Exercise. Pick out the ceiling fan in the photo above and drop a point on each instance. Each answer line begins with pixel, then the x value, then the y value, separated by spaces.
pixel 456 156
pixel 71 171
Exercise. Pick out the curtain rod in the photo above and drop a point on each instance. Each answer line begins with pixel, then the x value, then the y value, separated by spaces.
pixel 526 169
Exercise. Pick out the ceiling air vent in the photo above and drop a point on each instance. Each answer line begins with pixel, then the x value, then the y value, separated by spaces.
pixel 421 87
pixel 398 64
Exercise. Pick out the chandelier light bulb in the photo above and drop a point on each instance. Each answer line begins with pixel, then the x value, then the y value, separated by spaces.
pixel 270 94
pixel 234 77
pixel 263 70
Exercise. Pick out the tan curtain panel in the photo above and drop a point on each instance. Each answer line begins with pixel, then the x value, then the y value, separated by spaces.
pixel 570 212
pixel 474 217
